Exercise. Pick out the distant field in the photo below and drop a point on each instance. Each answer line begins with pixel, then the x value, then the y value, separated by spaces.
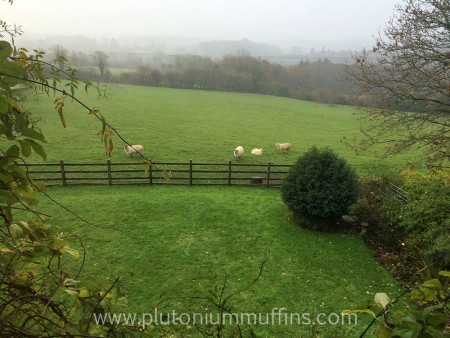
pixel 182 241
pixel 179 125
pixel 113 71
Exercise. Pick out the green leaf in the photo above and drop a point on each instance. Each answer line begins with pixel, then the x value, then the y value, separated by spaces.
pixel 5 50
pixel 106 144
pixel 58 244
pixel 111 146
pixel 4 106
pixel 7 160
pixel 6 251
pixel 7 196
pixel 383 331
pixel 5 87
pixel 84 293
pixel 13 69
pixel 61 116
pixel 29 199
pixel 25 227
pixel 103 126
pixel 437 320
pixel 72 293
pixel 13 152
pixel 21 122
pixel 406 332
pixel 433 284
pixel 3 129
pixel 38 149
pixel 346 312
pixel 25 147
pixel 20 173
pixel 40 187
pixel 444 273
pixel 34 134
pixel 16 231
pixel 72 251
pixel 6 177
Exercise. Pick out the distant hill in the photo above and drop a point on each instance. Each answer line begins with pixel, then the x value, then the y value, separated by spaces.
pixel 217 49
pixel 286 53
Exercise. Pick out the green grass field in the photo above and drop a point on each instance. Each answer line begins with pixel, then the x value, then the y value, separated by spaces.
pixel 179 125
pixel 181 241
pixel 177 241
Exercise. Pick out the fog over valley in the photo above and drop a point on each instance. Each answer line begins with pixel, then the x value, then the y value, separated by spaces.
pixel 202 27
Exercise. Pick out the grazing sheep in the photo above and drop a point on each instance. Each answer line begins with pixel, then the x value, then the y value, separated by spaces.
pixel 283 147
pixel 259 151
pixel 239 151
pixel 134 149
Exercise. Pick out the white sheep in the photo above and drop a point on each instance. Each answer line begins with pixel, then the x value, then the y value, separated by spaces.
pixel 134 149
pixel 259 151
pixel 283 146
pixel 239 151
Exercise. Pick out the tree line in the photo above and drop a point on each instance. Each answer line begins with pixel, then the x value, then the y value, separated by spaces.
pixel 319 80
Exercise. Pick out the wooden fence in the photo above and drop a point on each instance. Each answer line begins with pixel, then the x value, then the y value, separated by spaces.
pixel 398 194
pixel 175 173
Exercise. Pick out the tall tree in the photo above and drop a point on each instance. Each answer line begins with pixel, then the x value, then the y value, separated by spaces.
pixel 100 59
pixel 79 59
pixel 406 92
pixel 60 55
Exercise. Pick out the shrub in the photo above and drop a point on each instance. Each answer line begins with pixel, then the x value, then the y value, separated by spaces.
pixel 373 194
pixel 319 186
pixel 426 217
pixel 368 206
pixel 377 210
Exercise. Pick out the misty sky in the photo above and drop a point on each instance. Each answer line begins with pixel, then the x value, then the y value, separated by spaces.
pixel 325 21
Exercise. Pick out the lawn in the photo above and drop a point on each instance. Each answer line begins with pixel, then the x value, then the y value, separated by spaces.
pixel 181 241
pixel 179 125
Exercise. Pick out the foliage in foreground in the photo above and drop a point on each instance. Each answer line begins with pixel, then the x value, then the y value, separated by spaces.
pixel 425 315
pixel 39 294
pixel 410 218
pixel 319 186
pixel 411 222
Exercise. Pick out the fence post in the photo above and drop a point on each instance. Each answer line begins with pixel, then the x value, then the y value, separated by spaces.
pixel 229 172
pixel 109 173
pixel 268 175
pixel 150 173
pixel 63 173
pixel 190 172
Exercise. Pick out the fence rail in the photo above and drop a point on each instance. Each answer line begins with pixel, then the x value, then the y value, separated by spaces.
pixel 175 173
pixel 398 193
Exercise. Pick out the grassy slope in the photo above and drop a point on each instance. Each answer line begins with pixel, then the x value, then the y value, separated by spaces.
pixel 176 240
pixel 178 125
pixel 182 241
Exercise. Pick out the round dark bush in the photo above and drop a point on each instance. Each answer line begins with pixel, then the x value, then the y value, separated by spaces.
pixel 320 185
